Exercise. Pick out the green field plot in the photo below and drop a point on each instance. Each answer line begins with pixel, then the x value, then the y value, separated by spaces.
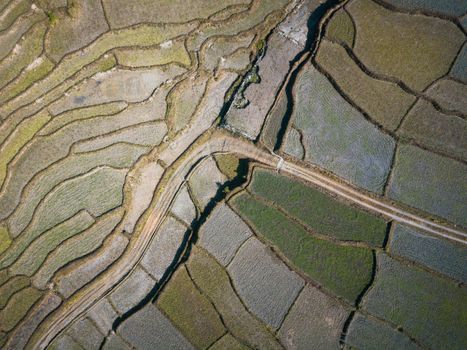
pixel 345 270
pixel 319 211
pixel 191 311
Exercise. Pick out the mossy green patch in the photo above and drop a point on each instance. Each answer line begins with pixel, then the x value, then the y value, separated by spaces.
pixel 34 72
pixel 260 45
pixel 11 287
pixel 340 28
pixel 233 88
pixel 228 164
pixel 23 133
pixel 5 240
pixel 190 311
pixel 344 270
pixel 214 281
pixel 253 77
pixel 52 16
pixel 319 211
pixel 17 307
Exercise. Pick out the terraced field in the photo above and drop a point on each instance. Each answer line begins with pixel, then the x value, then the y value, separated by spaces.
pixel 233 175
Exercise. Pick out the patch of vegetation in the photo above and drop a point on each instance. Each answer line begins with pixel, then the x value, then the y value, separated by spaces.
pixel 228 164
pixel 27 78
pixel 254 77
pixel 190 311
pixel 52 16
pixel 5 240
pixel 319 211
pixel 344 270
pixel 260 45
pixel 240 85
pixel 232 89
pixel 340 28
